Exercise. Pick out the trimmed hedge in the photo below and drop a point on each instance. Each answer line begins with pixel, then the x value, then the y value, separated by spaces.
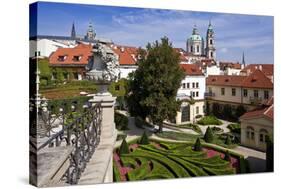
pixel 197 145
pixel 124 148
pixel 209 136
pixel 144 139
pixel 234 128
pixel 209 120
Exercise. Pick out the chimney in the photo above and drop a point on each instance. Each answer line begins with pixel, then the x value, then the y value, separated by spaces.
pixel 260 67
pixel 122 49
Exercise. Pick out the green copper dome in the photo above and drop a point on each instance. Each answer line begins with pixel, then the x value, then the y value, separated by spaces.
pixel 195 37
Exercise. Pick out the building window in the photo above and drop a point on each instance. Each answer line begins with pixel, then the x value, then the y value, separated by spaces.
pixel 193 85
pixel 256 93
pixel 210 89
pixel 266 95
pixel 193 94
pixel 245 92
pixel 187 85
pixel 222 91
pixel 197 93
pixel 250 133
pixel 198 48
pixel 61 58
pixel 197 85
pixel 76 58
pixel 211 41
pixel 263 135
pixel 191 48
pixel 183 85
pixel 197 109
pixel 37 53
pixel 233 92
pixel 212 54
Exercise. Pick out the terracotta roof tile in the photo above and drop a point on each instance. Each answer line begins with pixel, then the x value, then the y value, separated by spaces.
pixel 266 112
pixel 78 55
pixel 255 80
pixel 127 55
pixel 235 65
pixel 267 69
pixel 191 69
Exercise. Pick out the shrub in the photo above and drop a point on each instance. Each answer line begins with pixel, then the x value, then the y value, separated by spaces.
pixel 197 145
pixel 144 139
pixel 121 136
pixel 121 121
pixel 228 140
pixel 217 129
pixel 209 136
pixel 227 156
pixel 209 120
pixel 234 128
pixel 198 116
pixel 124 148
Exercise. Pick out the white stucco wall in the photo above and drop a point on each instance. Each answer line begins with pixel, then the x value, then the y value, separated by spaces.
pixel 45 47
pixel 213 70
pixel 125 70
pixel 194 79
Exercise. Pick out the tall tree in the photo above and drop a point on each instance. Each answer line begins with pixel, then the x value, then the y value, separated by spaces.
pixel 153 86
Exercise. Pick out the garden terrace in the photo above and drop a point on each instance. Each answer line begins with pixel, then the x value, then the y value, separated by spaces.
pixel 160 160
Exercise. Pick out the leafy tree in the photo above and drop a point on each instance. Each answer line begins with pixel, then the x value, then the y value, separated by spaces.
pixel 144 139
pixel 153 86
pixel 197 145
pixel 227 111
pixel 208 108
pixel 124 148
pixel 269 154
pixel 227 156
pixel 240 110
pixel 216 111
pixel 228 140
pixel 209 136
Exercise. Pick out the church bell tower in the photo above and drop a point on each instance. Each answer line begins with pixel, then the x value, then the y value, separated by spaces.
pixel 210 43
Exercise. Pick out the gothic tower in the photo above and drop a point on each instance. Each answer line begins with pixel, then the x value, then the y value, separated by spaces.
pixel 90 35
pixel 210 43
pixel 73 33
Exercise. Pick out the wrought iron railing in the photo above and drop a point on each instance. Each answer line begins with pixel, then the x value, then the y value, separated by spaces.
pixel 209 94
pixel 83 134
pixel 255 100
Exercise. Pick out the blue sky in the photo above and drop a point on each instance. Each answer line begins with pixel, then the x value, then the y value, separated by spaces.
pixel 234 33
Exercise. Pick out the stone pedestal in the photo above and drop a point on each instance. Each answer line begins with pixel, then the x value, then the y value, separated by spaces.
pixel 100 167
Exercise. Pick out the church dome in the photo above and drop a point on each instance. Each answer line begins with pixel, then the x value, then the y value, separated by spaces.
pixel 195 35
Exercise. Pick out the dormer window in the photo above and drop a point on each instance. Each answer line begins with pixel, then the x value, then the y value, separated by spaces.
pixel 76 58
pixel 61 58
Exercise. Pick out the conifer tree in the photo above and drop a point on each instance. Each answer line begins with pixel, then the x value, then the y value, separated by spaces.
pixel 124 148
pixel 209 136
pixel 144 139
pixel 197 145
pixel 227 156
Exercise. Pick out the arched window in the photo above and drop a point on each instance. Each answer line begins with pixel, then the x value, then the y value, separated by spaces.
pixel 263 134
pixel 211 41
pixel 185 114
pixel 191 48
pixel 211 54
pixel 250 133
pixel 197 48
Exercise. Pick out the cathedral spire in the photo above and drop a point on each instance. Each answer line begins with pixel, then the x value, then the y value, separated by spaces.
pixel 243 59
pixel 73 33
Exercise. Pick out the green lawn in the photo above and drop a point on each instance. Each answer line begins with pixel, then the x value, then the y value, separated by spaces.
pixel 209 120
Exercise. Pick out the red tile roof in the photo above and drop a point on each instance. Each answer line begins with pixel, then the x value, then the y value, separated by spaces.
pixel 183 54
pixel 267 69
pixel 255 80
pixel 66 56
pixel 191 69
pixel 267 112
pixel 127 55
pixel 224 65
